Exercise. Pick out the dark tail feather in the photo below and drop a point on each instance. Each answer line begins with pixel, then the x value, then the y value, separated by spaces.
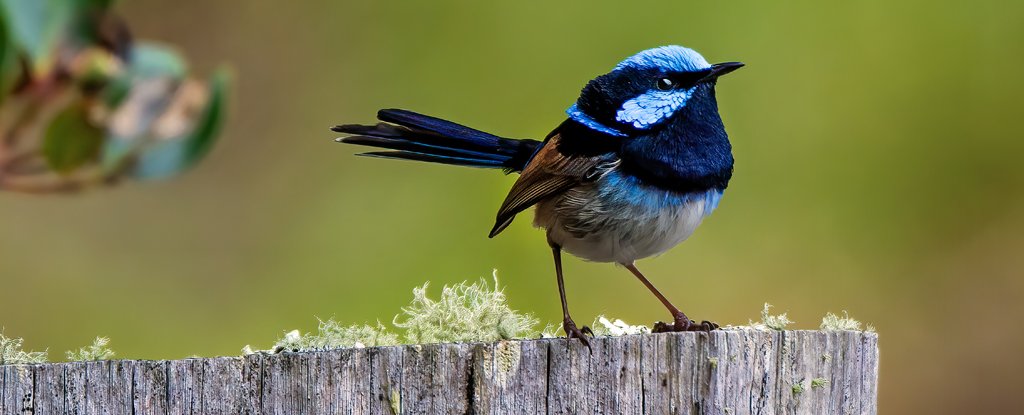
pixel 414 136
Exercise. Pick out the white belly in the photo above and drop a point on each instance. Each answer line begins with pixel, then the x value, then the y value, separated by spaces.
pixel 614 227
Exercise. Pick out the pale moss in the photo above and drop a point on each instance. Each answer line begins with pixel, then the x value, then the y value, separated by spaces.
pixel 551 331
pixel 12 354
pixel 463 313
pixel 774 322
pixel 833 322
pixel 604 327
pixel 332 335
pixel 768 321
pixel 817 383
pixel 98 350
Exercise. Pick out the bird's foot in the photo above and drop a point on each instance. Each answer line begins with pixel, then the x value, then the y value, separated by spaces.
pixel 682 323
pixel 571 331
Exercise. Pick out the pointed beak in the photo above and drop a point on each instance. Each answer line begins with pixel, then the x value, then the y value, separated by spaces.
pixel 723 68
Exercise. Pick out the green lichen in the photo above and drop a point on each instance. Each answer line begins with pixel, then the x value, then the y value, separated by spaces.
pixel 833 322
pixel 819 383
pixel 713 361
pixel 331 334
pixel 98 350
pixel 798 387
pixel 396 402
pixel 825 357
pixel 12 354
pixel 463 313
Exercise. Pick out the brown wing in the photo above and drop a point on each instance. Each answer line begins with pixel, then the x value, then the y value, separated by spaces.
pixel 550 172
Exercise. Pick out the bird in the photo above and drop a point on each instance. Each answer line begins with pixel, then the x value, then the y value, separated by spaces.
pixel 640 160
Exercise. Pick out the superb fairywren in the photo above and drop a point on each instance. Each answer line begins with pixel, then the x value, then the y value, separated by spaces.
pixel 641 160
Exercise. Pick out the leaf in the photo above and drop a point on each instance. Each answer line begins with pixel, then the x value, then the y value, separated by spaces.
pixel 8 58
pixel 71 140
pixel 130 125
pixel 210 123
pixel 149 60
pixel 116 90
pixel 36 26
pixel 167 157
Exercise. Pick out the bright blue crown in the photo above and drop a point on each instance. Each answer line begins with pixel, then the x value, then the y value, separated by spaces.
pixel 671 58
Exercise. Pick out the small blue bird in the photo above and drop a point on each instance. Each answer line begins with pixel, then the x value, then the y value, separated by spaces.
pixel 641 160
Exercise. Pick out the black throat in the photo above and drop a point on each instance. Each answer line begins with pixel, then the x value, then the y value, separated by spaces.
pixel 690 152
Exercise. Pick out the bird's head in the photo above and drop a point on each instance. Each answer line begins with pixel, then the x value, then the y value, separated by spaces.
pixel 646 89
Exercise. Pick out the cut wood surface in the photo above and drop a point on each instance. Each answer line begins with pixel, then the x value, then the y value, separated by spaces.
pixel 721 372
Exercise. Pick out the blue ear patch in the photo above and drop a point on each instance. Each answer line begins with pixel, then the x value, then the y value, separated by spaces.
pixel 579 116
pixel 652 107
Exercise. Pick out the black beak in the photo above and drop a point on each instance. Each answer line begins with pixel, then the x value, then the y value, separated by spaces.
pixel 723 68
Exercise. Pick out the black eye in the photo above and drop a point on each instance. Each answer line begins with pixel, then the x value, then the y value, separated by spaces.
pixel 665 84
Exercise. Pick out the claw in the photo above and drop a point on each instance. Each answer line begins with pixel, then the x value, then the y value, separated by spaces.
pixel 682 323
pixel 708 325
pixel 571 332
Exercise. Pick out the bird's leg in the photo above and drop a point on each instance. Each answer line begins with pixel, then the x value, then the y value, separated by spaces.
pixel 680 321
pixel 571 331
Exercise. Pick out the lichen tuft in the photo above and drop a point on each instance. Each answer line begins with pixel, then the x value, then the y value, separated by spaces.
pixel 12 354
pixel 331 334
pixel 798 387
pixel 463 313
pixel 833 322
pixel 98 350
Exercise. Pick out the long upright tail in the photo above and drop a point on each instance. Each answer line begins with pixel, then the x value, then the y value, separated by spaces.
pixel 413 136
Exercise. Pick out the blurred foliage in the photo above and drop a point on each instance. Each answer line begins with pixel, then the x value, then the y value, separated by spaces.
pixel 84 104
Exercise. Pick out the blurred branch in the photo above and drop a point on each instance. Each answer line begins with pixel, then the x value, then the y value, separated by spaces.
pixel 83 105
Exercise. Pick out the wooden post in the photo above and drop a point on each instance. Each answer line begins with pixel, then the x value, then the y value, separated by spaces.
pixel 722 372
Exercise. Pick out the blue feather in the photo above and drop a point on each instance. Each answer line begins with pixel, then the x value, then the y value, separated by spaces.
pixel 653 107
pixel 576 114
pixel 668 58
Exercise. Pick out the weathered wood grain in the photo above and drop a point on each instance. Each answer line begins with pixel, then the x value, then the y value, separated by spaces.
pixel 723 372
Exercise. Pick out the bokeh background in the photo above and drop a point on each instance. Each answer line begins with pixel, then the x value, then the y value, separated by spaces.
pixel 879 171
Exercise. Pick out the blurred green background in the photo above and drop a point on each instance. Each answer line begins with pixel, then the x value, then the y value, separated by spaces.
pixel 879 170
